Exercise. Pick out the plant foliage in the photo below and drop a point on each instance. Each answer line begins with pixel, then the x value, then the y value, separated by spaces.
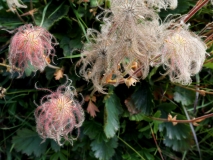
pixel 109 79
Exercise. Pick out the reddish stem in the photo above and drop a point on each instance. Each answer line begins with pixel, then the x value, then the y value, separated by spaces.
pixel 195 9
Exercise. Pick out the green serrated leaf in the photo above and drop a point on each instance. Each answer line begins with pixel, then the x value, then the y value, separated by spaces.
pixel 104 150
pixel 142 98
pixel 177 145
pixel 29 142
pixel 112 112
pixel 94 130
pixel 76 43
pixel 184 96
pixel 62 155
pixel 54 145
pixel 179 131
pixel 66 45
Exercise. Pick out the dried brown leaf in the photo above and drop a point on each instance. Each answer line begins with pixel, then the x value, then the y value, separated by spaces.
pixel 92 109
pixel 88 98
pixel 59 74
pixel 170 119
pixel 130 106
pixel 130 81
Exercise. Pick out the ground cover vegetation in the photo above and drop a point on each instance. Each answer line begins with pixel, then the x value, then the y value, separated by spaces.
pixel 106 79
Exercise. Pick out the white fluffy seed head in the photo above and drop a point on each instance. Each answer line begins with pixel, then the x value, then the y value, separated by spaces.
pixel 183 54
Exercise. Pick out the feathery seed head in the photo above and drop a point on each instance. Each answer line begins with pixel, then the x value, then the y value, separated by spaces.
pixel 93 59
pixel 58 115
pixel 183 55
pixel 31 45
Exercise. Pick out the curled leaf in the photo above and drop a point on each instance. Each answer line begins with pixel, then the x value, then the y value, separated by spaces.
pixel 130 81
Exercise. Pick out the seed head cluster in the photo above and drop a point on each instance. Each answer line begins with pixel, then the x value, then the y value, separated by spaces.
pixel 58 114
pixel 31 45
pixel 123 45
pixel 132 38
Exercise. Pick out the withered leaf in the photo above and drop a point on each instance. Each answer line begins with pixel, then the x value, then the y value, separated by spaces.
pixel 92 109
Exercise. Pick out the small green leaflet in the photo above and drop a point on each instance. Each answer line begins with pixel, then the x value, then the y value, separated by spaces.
pixel 111 116
pixel 142 98
pixel 61 155
pixel 184 96
pixel 104 150
pixel 28 142
pixel 94 130
pixel 177 145
pixel 176 136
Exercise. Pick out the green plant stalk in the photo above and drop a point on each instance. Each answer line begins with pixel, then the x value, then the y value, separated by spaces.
pixel 195 10
pixel 131 147
pixel 80 21
pixel 73 56
pixel 56 10
pixel 44 13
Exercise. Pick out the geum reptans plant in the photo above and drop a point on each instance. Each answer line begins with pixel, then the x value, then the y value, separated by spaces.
pixel 58 114
pixel 31 45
